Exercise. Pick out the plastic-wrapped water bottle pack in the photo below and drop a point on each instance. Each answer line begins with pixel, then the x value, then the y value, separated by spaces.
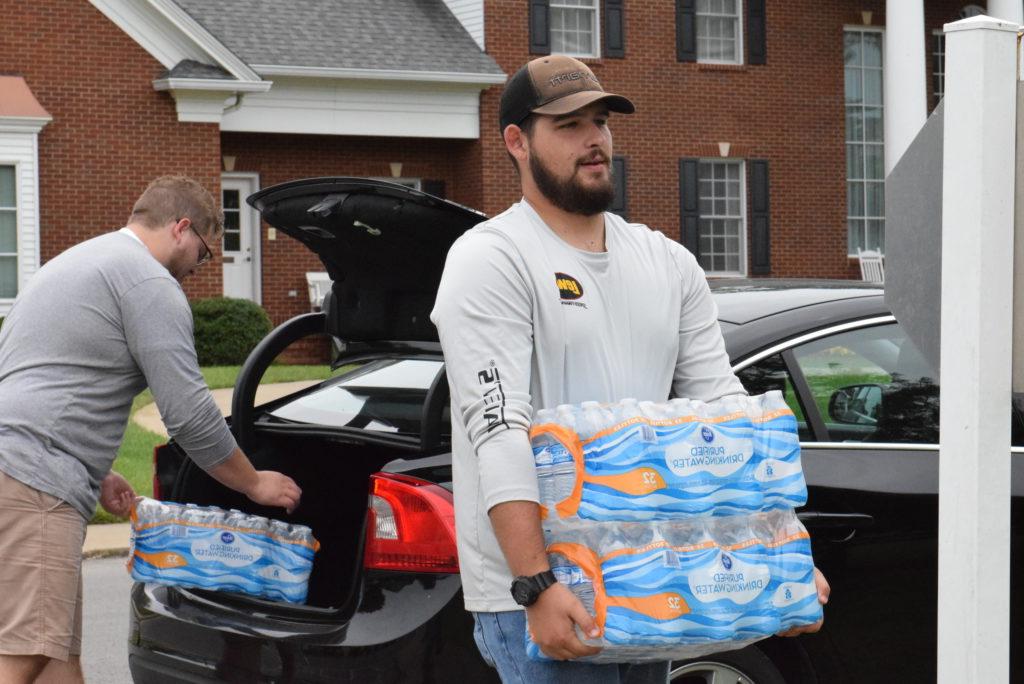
pixel 211 548
pixel 673 523
pixel 661 461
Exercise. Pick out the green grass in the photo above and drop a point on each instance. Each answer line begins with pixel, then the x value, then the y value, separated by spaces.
pixel 135 457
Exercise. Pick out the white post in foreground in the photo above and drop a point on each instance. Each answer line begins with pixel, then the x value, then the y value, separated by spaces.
pixel 977 281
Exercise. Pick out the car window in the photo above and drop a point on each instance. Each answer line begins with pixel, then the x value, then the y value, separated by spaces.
pixel 872 384
pixel 381 396
pixel 771 374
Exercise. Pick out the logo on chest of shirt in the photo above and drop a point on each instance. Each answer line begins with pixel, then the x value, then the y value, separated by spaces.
pixel 569 289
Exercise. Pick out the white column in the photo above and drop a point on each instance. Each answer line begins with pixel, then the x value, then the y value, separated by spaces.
pixel 1009 10
pixel 904 77
pixel 977 280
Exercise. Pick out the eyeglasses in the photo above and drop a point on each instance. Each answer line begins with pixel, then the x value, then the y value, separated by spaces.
pixel 207 254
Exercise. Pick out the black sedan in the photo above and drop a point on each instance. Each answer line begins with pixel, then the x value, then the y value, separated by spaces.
pixel 370 449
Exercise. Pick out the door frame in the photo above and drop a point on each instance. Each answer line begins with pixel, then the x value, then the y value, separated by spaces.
pixel 247 183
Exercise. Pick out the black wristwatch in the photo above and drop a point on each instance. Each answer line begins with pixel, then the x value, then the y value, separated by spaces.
pixel 526 590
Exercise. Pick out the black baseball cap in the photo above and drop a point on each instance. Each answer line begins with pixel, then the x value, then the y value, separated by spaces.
pixel 556 84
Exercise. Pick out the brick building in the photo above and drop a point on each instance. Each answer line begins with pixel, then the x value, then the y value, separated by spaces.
pixel 758 139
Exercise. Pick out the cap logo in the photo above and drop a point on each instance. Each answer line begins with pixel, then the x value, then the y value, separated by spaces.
pixel 570 76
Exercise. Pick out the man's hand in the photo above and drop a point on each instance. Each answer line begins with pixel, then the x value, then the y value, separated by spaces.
pixel 551 619
pixel 116 495
pixel 274 489
pixel 821 584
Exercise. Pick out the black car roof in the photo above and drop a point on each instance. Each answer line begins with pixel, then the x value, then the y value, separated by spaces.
pixel 741 301
pixel 758 313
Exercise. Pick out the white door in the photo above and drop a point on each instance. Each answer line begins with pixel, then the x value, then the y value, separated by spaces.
pixel 241 242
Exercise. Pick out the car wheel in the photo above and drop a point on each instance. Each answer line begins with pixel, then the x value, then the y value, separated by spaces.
pixel 746 666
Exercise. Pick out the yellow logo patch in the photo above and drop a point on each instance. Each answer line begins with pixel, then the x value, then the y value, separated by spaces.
pixel 568 287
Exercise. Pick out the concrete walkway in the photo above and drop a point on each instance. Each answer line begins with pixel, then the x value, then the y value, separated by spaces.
pixel 112 540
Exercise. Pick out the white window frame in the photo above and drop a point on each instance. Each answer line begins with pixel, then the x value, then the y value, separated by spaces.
pixel 742 272
pixel 5 302
pixel 596 27
pixel 852 253
pixel 938 76
pixel 739 36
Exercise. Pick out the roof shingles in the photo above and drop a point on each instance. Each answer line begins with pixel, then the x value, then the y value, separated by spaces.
pixel 406 35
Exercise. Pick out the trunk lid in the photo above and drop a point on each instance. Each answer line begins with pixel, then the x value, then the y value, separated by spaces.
pixel 383 245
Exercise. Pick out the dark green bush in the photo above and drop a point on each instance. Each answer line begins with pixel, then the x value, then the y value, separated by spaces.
pixel 227 329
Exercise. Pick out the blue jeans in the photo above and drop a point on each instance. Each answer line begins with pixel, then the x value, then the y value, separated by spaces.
pixel 501 640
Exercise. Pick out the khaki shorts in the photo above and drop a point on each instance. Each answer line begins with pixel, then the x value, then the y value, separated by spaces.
pixel 40 573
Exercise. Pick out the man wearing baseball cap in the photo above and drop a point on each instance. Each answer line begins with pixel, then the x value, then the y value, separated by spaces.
pixel 557 301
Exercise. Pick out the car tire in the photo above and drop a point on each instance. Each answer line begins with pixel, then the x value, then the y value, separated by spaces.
pixel 745 666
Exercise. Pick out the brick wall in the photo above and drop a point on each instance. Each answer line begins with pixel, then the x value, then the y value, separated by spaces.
pixel 789 111
pixel 111 132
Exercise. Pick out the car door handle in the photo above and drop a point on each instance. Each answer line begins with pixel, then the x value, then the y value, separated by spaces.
pixel 831 521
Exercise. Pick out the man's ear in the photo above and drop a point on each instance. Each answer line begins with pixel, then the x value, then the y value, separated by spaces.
pixel 180 227
pixel 516 142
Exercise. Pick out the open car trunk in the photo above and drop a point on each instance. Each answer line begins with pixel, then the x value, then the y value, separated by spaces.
pixel 334 479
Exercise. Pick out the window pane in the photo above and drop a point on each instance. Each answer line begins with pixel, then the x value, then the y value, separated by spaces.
pixel 872 49
pixel 873 86
pixel 879 386
pixel 7 195
pixel 572 27
pixel 231 220
pixel 854 124
pixel 854 198
pixel 873 121
pixel 8 277
pixel 874 156
pixel 232 241
pixel 231 199
pixel 875 199
pixel 852 49
pixel 855 235
pixel 8 232
pixel 854 161
pixel 771 374
pixel 854 94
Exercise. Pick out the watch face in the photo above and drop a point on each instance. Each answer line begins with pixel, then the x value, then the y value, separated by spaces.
pixel 521 592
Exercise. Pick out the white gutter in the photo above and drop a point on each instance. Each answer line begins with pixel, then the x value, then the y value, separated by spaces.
pixel 381 74
pixel 218 84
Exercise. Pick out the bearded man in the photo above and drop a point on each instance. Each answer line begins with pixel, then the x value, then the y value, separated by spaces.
pixel 557 301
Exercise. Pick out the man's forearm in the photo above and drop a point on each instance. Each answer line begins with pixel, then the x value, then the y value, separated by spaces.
pixel 235 472
pixel 517 526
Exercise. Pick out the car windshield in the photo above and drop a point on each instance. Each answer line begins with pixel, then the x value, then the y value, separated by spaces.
pixel 383 396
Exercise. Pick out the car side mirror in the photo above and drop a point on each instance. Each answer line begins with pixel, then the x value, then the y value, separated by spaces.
pixel 856 404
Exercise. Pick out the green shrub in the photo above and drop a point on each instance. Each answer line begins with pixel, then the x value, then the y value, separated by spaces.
pixel 227 329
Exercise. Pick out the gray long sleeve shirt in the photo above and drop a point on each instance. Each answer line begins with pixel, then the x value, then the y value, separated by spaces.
pixel 94 326
pixel 527 322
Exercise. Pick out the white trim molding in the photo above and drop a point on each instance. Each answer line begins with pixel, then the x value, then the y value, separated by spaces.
pixel 19 147
pixel 23 124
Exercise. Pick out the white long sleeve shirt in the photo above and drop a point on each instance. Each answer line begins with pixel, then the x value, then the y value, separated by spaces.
pixel 527 321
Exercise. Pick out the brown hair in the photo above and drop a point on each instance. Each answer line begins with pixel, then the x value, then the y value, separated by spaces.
pixel 170 198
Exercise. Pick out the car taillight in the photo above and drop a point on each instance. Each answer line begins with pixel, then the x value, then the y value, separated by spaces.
pixel 410 526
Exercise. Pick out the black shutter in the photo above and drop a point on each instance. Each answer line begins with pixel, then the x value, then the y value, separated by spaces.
pixel 540 28
pixel 756 42
pixel 689 206
pixel 760 233
pixel 433 187
pixel 686 30
pixel 620 204
pixel 614 29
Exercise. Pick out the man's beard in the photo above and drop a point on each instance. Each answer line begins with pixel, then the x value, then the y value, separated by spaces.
pixel 569 195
